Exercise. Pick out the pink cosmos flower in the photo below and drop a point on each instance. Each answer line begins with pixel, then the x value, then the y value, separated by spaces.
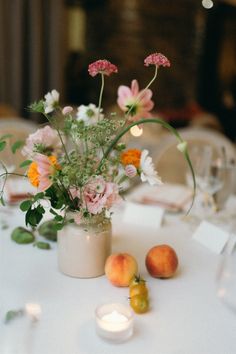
pixel 135 103
pixel 102 67
pixel 46 168
pixel 157 59
pixel 46 139
pixel 99 194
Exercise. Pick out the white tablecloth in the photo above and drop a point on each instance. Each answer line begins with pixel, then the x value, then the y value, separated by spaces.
pixel 186 317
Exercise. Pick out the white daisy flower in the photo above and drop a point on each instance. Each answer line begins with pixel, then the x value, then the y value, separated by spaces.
pixel 51 100
pixel 148 173
pixel 88 114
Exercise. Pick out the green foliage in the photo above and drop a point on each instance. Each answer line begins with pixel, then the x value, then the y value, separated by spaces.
pixel 22 236
pixel 5 136
pixel 25 205
pixel 17 145
pixel 2 200
pixel 34 215
pixel 42 245
pixel 25 163
pixel 47 230
pixel 12 314
pixel 2 145
pixel 37 106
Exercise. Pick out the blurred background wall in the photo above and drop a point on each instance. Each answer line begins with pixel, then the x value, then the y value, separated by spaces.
pixel 48 44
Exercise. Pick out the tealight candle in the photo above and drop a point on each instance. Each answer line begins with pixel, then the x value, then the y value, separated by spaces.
pixel 114 322
pixel 33 310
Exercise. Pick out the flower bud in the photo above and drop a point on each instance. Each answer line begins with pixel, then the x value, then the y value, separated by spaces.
pixel 66 110
pixel 182 146
pixel 130 171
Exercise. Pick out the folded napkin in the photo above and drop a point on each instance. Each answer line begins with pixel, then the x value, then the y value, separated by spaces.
pixel 18 189
pixel 172 197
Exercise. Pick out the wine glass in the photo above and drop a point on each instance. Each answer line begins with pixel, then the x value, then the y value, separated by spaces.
pixel 208 180
pixel 226 276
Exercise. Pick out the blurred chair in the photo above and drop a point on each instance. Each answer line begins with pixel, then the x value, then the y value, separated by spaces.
pixel 19 129
pixel 169 160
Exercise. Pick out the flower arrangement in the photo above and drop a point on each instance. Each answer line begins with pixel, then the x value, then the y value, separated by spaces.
pixel 78 161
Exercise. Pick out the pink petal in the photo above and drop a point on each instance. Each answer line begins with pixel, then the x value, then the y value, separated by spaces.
pixel 134 87
pixel 124 92
pixel 44 183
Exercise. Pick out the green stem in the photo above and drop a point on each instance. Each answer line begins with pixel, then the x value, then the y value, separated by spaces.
pixel 100 96
pixel 165 125
pixel 142 92
pixel 60 137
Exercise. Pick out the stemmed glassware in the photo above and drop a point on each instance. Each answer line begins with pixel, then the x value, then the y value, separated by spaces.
pixel 208 180
pixel 226 276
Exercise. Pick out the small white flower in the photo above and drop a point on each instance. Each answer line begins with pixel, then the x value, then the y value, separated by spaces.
pixel 51 100
pixel 182 146
pixel 88 114
pixel 148 173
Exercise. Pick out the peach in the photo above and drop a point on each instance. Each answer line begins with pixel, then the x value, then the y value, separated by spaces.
pixel 120 268
pixel 161 261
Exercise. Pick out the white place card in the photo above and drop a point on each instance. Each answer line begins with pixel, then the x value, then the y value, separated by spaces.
pixel 143 215
pixel 211 236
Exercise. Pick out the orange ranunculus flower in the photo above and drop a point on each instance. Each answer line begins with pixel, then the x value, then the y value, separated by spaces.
pixel 41 170
pixel 131 157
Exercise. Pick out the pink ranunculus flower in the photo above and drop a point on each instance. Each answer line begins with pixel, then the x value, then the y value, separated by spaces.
pixel 45 138
pixel 137 104
pixel 157 59
pixel 104 67
pixel 99 195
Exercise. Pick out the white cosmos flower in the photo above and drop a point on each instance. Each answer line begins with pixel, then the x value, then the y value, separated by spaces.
pixel 51 100
pixel 88 114
pixel 148 173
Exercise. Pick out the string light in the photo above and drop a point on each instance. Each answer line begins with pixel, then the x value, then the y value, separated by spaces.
pixel 136 131
pixel 208 4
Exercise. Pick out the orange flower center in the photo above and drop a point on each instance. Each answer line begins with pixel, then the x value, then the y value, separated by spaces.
pixel 131 157
pixel 33 173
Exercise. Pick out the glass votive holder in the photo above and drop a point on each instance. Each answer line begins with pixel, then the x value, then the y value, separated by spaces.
pixel 114 322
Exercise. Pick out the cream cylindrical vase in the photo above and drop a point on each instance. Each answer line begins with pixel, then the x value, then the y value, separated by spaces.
pixel 83 249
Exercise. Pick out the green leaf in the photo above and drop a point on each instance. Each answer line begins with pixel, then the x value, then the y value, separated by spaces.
pixel 2 201
pixel 40 209
pixel 58 226
pixel 31 217
pixel 25 205
pixel 12 314
pixel 2 145
pixel 5 136
pixel 42 245
pixel 22 236
pixel 38 196
pixel 58 218
pixel 17 145
pixel 48 231
pixel 25 163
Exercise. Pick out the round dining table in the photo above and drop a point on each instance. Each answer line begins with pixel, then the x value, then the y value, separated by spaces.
pixel 185 315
